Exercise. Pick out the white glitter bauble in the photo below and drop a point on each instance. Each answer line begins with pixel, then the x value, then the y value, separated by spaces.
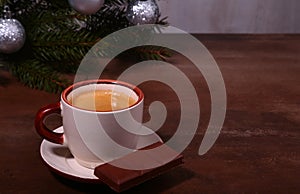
pixel 142 12
pixel 12 36
pixel 86 7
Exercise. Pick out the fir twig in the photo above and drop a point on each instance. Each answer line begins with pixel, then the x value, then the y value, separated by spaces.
pixel 57 38
pixel 38 76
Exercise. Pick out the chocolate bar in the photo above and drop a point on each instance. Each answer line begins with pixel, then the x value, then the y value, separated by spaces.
pixel 121 179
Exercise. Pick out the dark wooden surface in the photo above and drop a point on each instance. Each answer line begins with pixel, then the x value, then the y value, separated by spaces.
pixel 258 150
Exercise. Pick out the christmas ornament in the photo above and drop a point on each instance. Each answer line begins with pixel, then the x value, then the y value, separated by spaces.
pixel 87 7
pixel 142 12
pixel 12 33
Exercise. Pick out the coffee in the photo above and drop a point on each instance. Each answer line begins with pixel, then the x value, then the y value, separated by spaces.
pixel 102 100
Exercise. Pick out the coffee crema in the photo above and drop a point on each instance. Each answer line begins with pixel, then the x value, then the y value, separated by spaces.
pixel 102 100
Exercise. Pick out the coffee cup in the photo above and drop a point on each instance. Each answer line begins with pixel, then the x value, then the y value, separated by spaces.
pixel 99 119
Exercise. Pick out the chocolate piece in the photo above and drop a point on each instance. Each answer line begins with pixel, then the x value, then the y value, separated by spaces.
pixel 120 179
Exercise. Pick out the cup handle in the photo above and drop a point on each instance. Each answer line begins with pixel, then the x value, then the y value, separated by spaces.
pixel 42 129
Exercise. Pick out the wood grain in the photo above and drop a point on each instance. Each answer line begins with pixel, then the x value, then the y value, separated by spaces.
pixel 258 150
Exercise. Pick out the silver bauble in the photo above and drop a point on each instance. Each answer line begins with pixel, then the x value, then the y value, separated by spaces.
pixel 86 7
pixel 142 12
pixel 12 36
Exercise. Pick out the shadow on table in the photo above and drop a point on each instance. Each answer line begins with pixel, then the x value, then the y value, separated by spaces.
pixel 4 80
pixel 158 184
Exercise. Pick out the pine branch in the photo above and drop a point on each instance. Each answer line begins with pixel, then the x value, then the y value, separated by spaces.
pixel 3 2
pixel 58 38
pixel 153 53
pixel 38 76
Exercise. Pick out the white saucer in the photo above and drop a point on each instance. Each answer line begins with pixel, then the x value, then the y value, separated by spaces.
pixel 60 160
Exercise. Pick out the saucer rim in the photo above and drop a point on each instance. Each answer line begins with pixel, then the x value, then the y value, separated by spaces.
pixel 57 170
pixel 72 177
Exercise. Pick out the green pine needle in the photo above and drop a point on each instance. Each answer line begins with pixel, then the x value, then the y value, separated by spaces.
pixel 39 76
pixel 57 39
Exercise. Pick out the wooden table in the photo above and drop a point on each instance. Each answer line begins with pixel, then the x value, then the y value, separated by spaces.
pixel 258 150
